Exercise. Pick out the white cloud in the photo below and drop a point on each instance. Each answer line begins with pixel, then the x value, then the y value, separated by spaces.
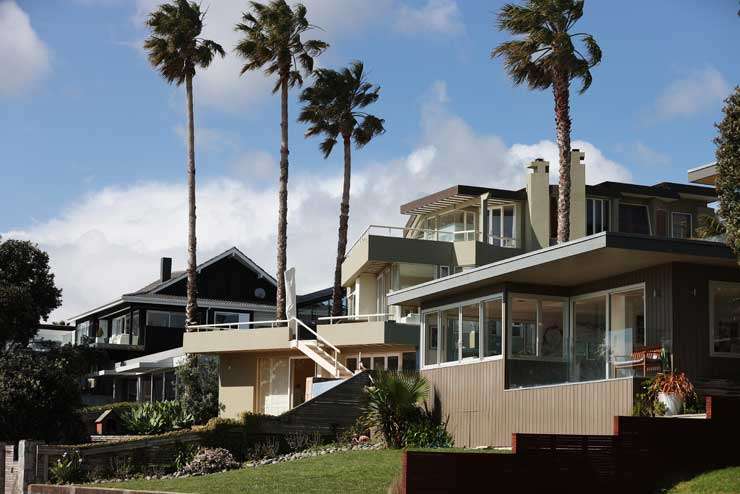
pixel 256 166
pixel 647 156
pixel 23 55
pixel 435 16
pixel 698 91
pixel 109 242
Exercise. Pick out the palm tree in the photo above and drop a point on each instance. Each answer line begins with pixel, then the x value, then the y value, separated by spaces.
pixel 176 50
pixel 544 55
pixel 272 42
pixel 333 108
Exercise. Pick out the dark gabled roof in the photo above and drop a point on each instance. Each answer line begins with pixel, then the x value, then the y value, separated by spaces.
pixel 157 285
pixel 317 296
pixel 455 195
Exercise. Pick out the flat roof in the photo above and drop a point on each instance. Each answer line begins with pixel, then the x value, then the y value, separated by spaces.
pixel 704 174
pixel 574 263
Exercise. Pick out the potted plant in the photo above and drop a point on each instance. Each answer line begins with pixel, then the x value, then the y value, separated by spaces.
pixel 672 389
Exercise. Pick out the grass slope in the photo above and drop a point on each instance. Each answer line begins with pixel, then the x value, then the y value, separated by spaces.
pixel 353 471
pixel 724 481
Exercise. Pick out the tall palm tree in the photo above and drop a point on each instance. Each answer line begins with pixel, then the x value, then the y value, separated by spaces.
pixel 272 42
pixel 544 55
pixel 333 107
pixel 176 51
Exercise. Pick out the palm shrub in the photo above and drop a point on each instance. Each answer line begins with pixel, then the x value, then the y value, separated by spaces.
pixel 68 468
pixel 393 404
pixel 157 417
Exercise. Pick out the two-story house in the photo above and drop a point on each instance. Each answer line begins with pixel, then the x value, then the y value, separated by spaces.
pixel 520 307
pixel 141 332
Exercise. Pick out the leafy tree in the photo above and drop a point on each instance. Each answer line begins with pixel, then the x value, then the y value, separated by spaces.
pixel 197 388
pixel 272 42
pixel 176 50
pixel 728 169
pixel 27 292
pixel 333 108
pixel 543 55
pixel 40 392
pixel 393 404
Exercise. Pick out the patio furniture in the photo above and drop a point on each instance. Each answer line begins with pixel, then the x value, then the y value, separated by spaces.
pixel 645 358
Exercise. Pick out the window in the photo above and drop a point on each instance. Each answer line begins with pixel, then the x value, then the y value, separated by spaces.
pixel 232 318
pixel 456 333
pixel 408 361
pixel 589 339
pixel 121 324
pixel 661 223
pixel 165 319
pixel 633 218
pixel 680 225
pixel 501 226
pixel 523 335
pixel 626 326
pixel 493 324
pixel 597 216
pixel 454 226
pixel 431 338
pixel 443 271
pixel 724 316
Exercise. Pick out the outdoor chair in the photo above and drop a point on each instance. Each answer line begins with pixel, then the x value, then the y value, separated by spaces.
pixel 646 358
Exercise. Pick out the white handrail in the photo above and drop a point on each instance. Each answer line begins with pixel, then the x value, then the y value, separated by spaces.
pixel 230 325
pixel 331 319
pixel 318 337
pixel 402 229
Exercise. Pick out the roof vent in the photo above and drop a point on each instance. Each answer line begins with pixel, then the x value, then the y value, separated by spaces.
pixel 165 269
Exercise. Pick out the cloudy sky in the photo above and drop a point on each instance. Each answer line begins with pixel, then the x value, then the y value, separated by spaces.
pixel 93 155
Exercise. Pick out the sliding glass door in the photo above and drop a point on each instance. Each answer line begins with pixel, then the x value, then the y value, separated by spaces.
pixel 589 339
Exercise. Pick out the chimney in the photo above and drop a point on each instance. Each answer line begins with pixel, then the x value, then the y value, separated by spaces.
pixel 165 269
pixel 577 194
pixel 538 205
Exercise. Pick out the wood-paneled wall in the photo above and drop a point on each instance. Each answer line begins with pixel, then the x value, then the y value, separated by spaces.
pixel 481 412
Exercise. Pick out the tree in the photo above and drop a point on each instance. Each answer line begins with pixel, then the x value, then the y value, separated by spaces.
pixel 27 292
pixel 197 388
pixel 728 169
pixel 272 42
pixel 40 392
pixel 176 51
pixel 333 108
pixel 544 55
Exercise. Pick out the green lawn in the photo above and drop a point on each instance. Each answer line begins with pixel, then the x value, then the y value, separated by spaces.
pixel 353 471
pixel 723 481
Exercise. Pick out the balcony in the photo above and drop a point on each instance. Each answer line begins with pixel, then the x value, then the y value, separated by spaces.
pixel 371 329
pixel 381 245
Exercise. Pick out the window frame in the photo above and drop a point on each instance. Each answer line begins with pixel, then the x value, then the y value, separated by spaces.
pixel 169 318
pixel 647 215
pixel 216 313
pixel 605 213
pixel 481 339
pixel 566 326
pixel 502 240
pixel 691 224
pixel 714 284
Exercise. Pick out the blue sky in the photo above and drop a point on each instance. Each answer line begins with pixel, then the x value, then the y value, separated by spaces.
pixel 93 151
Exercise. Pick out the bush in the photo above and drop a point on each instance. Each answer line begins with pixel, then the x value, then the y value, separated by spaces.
pixel 300 441
pixel 210 460
pixel 646 402
pixel 156 417
pixel 197 387
pixel 67 469
pixel 427 432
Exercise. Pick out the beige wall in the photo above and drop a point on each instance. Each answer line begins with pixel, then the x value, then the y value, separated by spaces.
pixel 482 413
pixel 366 287
pixel 577 195
pixel 237 383
pixel 236 340
pixel 538 206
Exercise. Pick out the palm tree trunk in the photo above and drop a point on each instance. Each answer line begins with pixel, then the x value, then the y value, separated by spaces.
pixel 192 288
pixel 282 240
pixel 561 92
pixel 336 300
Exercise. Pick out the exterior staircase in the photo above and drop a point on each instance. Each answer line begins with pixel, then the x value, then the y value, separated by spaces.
pixel 320 351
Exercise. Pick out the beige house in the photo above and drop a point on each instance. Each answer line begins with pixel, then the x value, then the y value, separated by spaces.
pixel 515 332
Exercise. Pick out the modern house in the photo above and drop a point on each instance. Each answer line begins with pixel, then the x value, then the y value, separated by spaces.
pixel 142 332
pixel 515 332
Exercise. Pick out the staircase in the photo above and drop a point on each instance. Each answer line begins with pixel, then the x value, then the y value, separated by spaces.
pixel 320 351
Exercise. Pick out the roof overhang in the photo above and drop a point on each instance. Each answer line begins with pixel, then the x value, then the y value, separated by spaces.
pixel 705 174
pixel 573 263
pixel 167 359
pixel 455 196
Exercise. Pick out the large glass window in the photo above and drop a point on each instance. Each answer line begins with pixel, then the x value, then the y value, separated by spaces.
pixel 493 324
pixel 589 339
pixel 165 319
pixel 680 225
pixel 724 310
pixel 597 216
pixel 453 226
pixel 523 335
pixel 626 328
pixel 471 331
pixel 501 226
pixel 633 218
pixel 431 338
pixel 450 335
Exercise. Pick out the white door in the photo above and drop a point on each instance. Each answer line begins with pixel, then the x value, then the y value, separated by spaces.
pixel 274 392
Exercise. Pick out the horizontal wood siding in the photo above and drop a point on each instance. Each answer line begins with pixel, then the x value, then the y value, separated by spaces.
pixel 481 412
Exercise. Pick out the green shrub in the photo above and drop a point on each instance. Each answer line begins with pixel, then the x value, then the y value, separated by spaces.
pixel 67 469
pixel 301 441
pixel 185 454
pixel 426 432
pixel 646 402
pixel 210 460
pixel 156 418
pixel 197 387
